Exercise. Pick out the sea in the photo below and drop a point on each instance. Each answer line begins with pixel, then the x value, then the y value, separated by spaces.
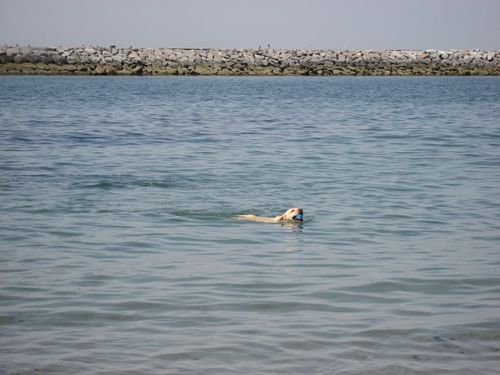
pixel 120 252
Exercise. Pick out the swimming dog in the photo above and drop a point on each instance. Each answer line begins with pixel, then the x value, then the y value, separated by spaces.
pixel 291 215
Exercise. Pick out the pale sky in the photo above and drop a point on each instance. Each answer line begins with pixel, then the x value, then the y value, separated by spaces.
pixel 334 24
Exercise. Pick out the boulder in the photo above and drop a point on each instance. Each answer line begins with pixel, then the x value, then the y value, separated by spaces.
pixel 259 60
pixel 18 59
pixel 110 70
pixel 99 70
pixel 11 52
pixel 137 70
pixel 202 70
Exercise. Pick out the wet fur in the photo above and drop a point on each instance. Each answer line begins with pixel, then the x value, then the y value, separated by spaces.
pixel 285 217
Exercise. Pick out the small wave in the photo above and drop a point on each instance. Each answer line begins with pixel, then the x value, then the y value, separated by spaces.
pixel 104 185
pixel 6 319
pixel 21 139
pixel 157 184
pixel 126 182
pixel 64 233
pixel 83 317
pixel 201 215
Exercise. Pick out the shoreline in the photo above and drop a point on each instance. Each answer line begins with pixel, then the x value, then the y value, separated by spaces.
pixel 244 62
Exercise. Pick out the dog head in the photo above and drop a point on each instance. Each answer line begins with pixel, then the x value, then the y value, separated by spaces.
pixel 293 214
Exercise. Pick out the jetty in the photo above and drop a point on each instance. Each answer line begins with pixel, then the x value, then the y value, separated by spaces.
pixel 112 60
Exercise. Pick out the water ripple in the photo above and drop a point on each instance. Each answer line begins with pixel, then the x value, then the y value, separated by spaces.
pixel 119 252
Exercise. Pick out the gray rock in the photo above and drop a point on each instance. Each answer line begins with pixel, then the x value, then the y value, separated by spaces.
pixel 18 59
pixel 99 70
pixel 95 59
pixel 137 70
pixel 12 52
pixel 259 60
pixel 273 62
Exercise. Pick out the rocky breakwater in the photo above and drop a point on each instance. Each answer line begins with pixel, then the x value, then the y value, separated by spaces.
pixel 179 61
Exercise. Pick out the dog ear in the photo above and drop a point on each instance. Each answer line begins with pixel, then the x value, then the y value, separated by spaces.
pixel 278 218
